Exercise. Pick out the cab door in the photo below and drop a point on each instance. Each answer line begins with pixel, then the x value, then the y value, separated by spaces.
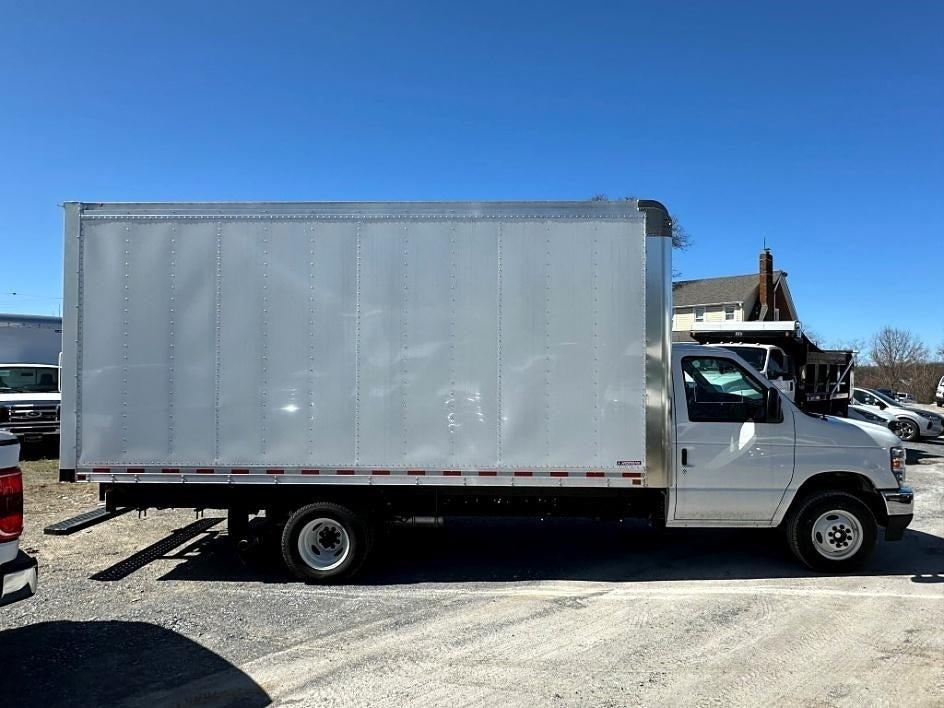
pixel 732 464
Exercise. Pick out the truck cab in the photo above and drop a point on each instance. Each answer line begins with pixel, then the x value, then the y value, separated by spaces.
pixel 748 456
pixel 30 401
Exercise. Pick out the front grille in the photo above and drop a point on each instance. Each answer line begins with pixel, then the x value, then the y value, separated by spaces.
pixel 34 414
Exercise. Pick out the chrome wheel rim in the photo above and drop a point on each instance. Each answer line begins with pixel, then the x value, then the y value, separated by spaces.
pixel 909 430
pixel 837 535
pixel 324 544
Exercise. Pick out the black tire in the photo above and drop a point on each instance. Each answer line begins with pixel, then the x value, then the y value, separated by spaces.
pixel 800 523
pixel 910 432
pixel 237 524
pixel 328 537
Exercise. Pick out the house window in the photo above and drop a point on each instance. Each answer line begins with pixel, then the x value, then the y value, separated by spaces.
pixel 728 313
pixel 699 314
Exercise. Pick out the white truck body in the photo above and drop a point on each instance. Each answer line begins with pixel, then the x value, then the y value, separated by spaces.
pixel 358 338
pixel 34 339
pixel 231 355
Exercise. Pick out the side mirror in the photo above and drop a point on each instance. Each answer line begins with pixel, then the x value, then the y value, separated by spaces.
pixel 773 406
pixel 881 405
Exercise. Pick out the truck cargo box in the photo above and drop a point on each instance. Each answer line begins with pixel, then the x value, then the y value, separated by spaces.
pixel 367 343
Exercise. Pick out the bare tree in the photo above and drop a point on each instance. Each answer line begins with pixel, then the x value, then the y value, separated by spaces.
pixel 897 354
pixel 680 237
pixel 940 353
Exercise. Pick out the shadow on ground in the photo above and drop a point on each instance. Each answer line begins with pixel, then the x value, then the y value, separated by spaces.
pixel 46 449
pixel 508 550
pixel 104 663
pixel 925 451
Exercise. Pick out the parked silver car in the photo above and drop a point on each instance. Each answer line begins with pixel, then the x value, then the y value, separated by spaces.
pixel 916 424
pixel 871 414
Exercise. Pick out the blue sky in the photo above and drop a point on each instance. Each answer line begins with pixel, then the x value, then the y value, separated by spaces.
pixel 817 126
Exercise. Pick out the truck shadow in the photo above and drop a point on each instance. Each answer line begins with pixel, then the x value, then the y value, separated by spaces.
pixel 511 550
pixel 105 663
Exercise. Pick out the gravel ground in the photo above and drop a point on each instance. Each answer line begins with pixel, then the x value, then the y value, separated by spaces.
pixel 511 613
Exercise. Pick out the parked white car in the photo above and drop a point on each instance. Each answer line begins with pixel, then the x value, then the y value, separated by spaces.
pixel 906 398
pixel 916 424
pixel 939 394
pixel 875 415
pixel 17 570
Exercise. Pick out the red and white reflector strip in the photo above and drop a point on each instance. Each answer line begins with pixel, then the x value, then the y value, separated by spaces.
pixel 534 477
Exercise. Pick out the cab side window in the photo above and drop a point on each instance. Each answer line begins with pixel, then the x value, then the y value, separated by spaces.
pixel 718 390
pixel 777 368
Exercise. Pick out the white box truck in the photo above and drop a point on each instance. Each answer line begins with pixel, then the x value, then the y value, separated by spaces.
pixel 29 376
pixel 342 365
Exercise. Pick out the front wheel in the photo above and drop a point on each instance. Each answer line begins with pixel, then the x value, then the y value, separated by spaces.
pixel 325 542
pixel 909 430
pixel 832 531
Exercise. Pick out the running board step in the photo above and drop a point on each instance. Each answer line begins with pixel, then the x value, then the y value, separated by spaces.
pixel 83 521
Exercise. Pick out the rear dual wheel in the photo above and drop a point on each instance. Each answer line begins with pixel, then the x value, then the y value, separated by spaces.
pixel 325 542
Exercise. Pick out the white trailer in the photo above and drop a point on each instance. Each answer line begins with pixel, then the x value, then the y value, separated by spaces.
pixel 340 365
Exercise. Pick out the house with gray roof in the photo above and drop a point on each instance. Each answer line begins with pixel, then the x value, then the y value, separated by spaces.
pixel 760 297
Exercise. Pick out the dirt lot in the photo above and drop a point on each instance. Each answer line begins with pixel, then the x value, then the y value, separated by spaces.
pixel 517 613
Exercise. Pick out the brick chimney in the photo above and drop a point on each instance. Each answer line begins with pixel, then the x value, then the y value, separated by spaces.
pixel 765 294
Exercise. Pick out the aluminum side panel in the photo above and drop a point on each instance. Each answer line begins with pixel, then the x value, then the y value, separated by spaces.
pixel 452 340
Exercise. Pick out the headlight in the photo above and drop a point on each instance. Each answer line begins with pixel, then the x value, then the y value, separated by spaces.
pixel 898 464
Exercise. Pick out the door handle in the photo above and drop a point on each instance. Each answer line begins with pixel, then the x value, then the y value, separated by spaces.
pixel 684 456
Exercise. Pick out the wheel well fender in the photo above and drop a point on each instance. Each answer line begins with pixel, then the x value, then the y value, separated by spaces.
pixel 851 482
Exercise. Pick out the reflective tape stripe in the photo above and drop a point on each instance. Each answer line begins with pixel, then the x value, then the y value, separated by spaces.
pixel 595 478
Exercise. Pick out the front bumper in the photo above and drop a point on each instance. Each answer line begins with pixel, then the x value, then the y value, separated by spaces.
pixel 18 579
pixel 899 508
pixel 31 433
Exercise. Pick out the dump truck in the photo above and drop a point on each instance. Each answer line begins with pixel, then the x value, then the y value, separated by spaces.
pixel 333 367
pixel 819 381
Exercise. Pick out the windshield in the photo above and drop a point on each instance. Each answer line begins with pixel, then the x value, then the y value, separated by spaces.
pixel 885 398
pixel 29 379
pixel 752 355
